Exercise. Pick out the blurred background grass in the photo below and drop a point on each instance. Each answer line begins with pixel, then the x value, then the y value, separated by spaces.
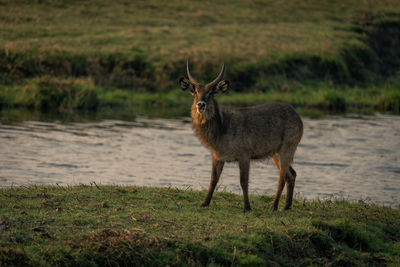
pixel 331 55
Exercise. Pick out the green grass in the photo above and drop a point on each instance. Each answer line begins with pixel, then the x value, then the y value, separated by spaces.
pixel 116 225
pixel 166 30
pixel 309 47
pixel 75 36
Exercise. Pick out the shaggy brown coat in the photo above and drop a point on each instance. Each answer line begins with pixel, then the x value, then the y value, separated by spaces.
pixel 239 135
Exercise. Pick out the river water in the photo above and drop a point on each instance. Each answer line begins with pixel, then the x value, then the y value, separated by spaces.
pixel 353 157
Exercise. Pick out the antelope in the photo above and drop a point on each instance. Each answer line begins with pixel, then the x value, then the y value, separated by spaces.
pixel 243 134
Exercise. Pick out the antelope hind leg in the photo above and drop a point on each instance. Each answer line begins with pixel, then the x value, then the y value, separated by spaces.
pixel 290 182
pixel 281 184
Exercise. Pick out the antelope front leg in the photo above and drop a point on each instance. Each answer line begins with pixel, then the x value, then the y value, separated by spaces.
pixel 216 171
pixel 244 182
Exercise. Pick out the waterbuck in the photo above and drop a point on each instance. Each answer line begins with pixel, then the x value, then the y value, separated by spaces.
pixel 243 134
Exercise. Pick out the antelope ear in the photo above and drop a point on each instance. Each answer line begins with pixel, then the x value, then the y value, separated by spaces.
pixel 221 87
pixel 186 84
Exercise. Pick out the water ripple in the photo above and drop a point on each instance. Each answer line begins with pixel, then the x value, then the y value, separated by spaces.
pixel 351 157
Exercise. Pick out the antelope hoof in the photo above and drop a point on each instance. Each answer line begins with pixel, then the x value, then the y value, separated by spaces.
pixel 274 207
pixel 246 208
pixel 287 207
pixel 204 204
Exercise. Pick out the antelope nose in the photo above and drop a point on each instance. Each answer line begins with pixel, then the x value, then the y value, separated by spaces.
pixel 201 104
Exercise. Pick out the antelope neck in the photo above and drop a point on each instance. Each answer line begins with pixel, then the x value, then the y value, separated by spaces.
pixel 208 130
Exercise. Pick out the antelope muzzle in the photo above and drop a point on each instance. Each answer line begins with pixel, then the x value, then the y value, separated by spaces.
pixel 201 106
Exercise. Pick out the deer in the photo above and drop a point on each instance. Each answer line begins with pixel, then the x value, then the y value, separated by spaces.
pixel 244 134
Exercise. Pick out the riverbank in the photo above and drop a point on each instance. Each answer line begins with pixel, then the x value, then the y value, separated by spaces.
pixel 49 94
pixel 97 55
pixel 117 225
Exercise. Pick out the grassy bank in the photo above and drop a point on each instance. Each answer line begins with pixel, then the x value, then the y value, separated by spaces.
pixel 65 95
pixel 322 52
pixel 113 225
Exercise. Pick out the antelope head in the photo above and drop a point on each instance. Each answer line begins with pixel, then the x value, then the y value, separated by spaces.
pixel 203 102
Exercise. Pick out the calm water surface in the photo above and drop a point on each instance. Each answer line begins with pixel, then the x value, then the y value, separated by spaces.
pixel 351 157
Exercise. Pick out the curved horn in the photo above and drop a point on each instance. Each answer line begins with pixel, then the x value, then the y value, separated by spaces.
pixel 191 79
pixel 219 78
